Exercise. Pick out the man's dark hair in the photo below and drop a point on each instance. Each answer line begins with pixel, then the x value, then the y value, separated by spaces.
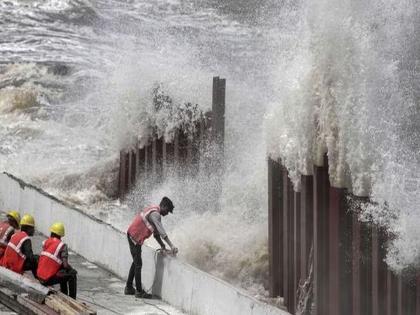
pixel 167 203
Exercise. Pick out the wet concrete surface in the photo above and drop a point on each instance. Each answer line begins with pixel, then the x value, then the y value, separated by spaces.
pixel 104 292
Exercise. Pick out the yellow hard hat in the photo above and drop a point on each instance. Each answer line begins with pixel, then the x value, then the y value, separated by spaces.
pixel 27 219
pixel 57 228
pixel 15 215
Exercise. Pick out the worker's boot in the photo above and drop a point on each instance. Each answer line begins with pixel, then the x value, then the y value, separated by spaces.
pixel 143 295
pixel 129 291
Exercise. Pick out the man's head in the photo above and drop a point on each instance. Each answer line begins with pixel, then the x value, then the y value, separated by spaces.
pixel 27 224
pixel 57 230
pixel 14 218
pixel 166 206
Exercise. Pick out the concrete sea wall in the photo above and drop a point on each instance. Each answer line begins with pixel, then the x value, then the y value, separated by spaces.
pixel 178 283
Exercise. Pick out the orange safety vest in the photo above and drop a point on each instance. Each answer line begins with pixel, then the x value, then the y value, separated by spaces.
pixel 13 258
pixel 49 259
pixel 5 230
pixel 141 229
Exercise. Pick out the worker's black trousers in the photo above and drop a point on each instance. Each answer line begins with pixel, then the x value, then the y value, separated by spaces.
pixel 67 278
pixel 135 269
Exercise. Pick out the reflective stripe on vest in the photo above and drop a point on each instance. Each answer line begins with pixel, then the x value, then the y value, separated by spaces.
pixel 55 255
pixel 49 261
pixel 17 248
pixel 5 230
pixel 13 257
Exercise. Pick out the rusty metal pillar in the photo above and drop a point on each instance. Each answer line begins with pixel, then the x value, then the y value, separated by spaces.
pixel 149 159
pixel 339 253
pixel 141 161
pixel 417 281
pixel 391 294
pixel 176 157
pixel 154 157
pixel 296 246
pixel 291 247
pixel 122 182
pixel 356 256
pixel 129 172
pixel 379 271
pixel 287 240
pixel 218 110
pixel 134 163
pixel 334 251
pixel 159 157
pixel 366 269
pixel 307 218
pixel 321 199
pixel 275 236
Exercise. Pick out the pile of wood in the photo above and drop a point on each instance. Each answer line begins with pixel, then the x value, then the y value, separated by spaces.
pixel 25 296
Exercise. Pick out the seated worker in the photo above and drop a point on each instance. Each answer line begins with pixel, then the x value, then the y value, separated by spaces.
pixel 53 266
pixel 18 255
pixel 144 224
pixel 7 229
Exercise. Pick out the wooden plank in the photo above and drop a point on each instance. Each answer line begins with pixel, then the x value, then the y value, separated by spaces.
pixel 39 309
pixel 21 284
pixel 59 306
pixel 83 308
pixel 7 299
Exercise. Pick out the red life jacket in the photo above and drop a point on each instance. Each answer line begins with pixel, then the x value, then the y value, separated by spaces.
pixel 5 230
pixel 49 259
pixel 141 229
pixel 13 257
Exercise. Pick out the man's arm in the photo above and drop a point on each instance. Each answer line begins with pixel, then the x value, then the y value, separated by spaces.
pixel 27 251
pixel 159 240
pixel 155 219
pixel 64 254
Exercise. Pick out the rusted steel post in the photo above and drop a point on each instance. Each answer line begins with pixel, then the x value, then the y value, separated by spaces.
pixel 287 238
pixel 321 194
pixel 356 272
pixel 335 211
pixel 291 247
pixel 345 263
pixel 122 174
pixel 379 272
pixel 149 159
pixel 400 296
pixel 307 203
pixel 366 269
pixel 141 160
pixel 297 246
pixel 129 172
pixel 391 294
pixel 275 228
pixel 176 156
pixel 218 110
pixel 159 157
pixel 154 157
pixel 134 163
pixel 417 281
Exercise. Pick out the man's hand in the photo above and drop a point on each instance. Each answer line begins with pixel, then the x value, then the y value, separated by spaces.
pixel 174 251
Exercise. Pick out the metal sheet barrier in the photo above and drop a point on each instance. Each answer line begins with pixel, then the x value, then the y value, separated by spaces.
pixel 350 276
